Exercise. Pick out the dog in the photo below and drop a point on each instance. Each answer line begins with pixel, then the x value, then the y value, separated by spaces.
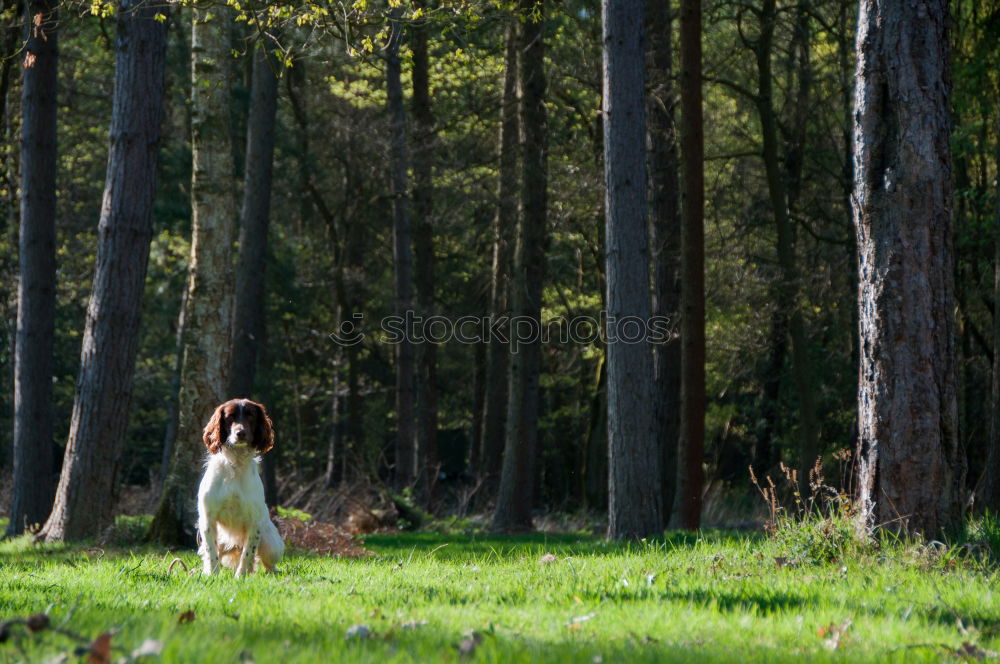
pixel 233 522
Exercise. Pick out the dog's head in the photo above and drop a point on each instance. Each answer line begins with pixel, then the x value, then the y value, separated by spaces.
pixel 239 422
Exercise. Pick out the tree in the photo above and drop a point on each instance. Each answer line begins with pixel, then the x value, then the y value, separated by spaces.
pixel 787 291
pixel 634 456
pixel 208 314
pixel 665 234
pixel 423 249
pixel 89 482
pixel 990 497
pixel 402 257
pixel 36 295
pixel 690 451
pixel 504 225
pixel 517 476
pixel 911 464
pixel 249 305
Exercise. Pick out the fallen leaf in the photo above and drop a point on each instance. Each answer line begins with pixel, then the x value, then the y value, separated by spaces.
pixel 413 624
pixel 37 622
pixel 358 632
pixel 100 650
pixel 470 643
pixel 974 651
pixel 186 617
pixel 575 623
pixel 148 648
pixel 834 634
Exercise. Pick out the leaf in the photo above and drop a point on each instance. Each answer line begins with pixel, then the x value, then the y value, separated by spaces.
pixel 100 650
pixel 149 648
pixel 413 624
pixel 470 643
pixel 575 623
pixel 834 634
pixel 37 622
pixel 358 632
pixel 186 617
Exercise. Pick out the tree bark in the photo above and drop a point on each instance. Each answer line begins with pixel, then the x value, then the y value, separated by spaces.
pixel 665 233
pixel 208 316
pixel 788 287
pixel 690 451
pixel 36 295
pixel 517 477
pixel 990 492
pixel 634 489
pixel 249 307
pixel 504 227
pixel 248 312
pixel 423 249
pixel 911 464
pixel 89 483
pixel 402 252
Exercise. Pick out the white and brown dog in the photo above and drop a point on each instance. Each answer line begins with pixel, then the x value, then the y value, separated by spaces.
pixel 233 521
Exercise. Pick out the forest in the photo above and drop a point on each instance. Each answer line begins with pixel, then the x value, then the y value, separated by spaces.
pixel 418 232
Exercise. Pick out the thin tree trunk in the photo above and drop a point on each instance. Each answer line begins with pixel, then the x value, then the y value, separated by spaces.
pixel 406 470
pixel 89 484
pixel 170 435
pixel 690 451
pixel 665 234
pixel 249 308
pixel 423 249
pixel 788 288
pixel 517 477
pixel 504 226
pixel 208 317
pixel 911 464
pixel 36 295
pixel 634 488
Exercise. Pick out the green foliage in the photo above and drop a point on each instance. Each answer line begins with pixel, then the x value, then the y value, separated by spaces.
pixel 291 513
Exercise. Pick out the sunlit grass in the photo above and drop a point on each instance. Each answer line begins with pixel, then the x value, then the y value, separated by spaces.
pixel 713 597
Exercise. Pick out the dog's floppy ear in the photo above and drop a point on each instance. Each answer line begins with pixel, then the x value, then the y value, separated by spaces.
pixel 213 435
pixel 263 434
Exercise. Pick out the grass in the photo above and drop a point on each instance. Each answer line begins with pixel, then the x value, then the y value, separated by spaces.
pixel 707 597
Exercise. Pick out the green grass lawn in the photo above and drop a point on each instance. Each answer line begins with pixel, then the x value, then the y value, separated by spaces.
pixel 713 597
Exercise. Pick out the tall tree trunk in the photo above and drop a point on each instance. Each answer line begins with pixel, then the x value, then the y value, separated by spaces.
pixel 911 464
pixel 88 486
pixel 517 477
pixel 402 253
pixel 9 48
pixel 504 226
pixel 249 306
pixel 208 317
pixel 665 234
pixel 36 295
pixel 690 450
pixel 634 488
pixel 990 492
pixel 788 287
pixel 423 249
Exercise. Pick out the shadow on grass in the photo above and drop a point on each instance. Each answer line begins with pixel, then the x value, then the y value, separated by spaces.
pixel 459 546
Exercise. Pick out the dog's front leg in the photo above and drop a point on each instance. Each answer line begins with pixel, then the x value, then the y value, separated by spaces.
pixel 249 552
pixel 209 549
